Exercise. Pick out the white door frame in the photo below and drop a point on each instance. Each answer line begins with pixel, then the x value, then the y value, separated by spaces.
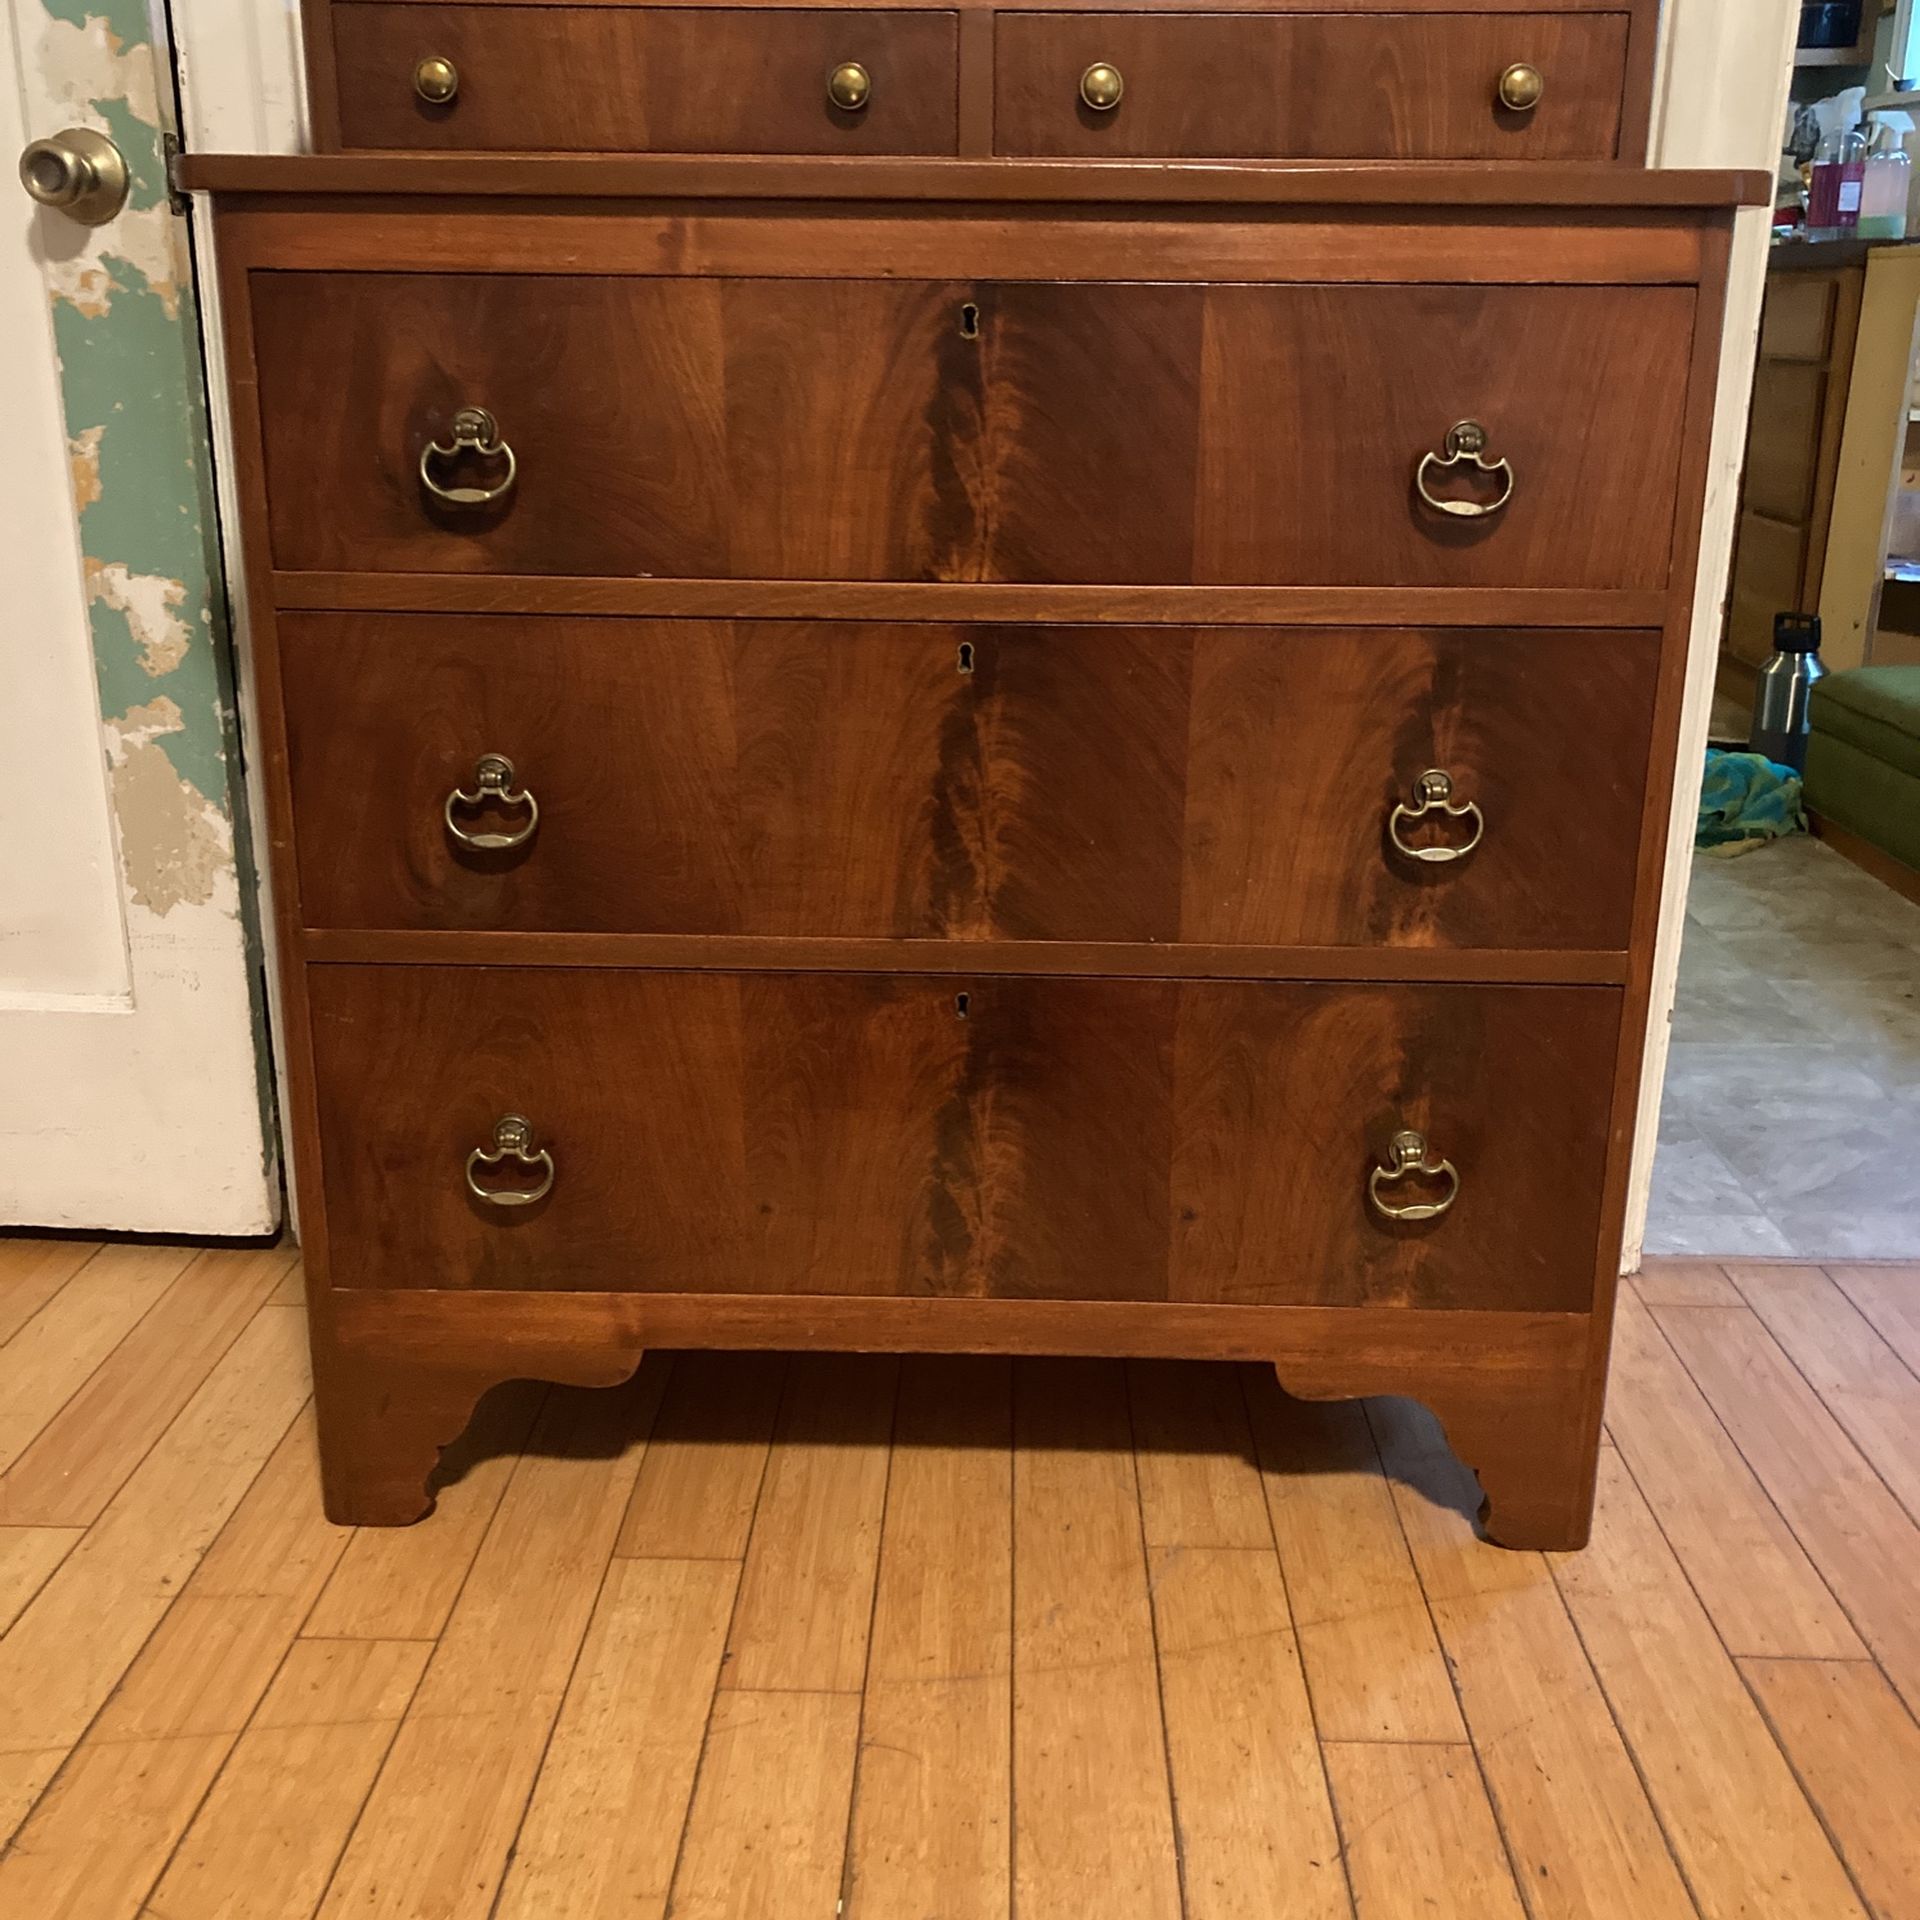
pixel 132 1096
pixel 1720 97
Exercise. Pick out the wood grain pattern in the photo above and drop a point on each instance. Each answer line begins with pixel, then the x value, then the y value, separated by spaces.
pixel 934 1803
pixel 1857 1751
pixel 646 79
pixel 1372 1659
pixel 1418 1828
pixel 1739 1825
pixel 32 1272
pixel 1329 86
pixel 1093 1140
pixel 967 782
pixel 1086 1701
pixel 847 429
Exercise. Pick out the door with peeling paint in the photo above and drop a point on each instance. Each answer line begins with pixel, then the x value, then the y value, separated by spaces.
pixel 132 1068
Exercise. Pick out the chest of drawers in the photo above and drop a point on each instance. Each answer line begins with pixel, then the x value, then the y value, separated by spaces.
pixel 969 754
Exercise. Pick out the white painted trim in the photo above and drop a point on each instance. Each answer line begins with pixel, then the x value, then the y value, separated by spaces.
pixel 1720 100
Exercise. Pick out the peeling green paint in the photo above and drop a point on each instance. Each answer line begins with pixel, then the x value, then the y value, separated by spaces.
pixel 126 334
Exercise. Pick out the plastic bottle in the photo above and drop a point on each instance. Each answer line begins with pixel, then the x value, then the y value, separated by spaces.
pixel 1780 717
pixel 1885 186
pixel 1839 169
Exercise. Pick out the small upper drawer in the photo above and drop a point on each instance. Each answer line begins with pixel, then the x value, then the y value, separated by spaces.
pixel 646 79
pixel 1328 86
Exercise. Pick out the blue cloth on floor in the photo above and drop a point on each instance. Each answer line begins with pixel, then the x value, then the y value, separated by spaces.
pixel 1745 801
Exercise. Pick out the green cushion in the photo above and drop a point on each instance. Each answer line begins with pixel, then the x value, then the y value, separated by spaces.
pixel 1864 794
pixel 1876 709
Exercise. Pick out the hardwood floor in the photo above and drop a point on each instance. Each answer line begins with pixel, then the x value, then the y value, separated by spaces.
pixel 938 1639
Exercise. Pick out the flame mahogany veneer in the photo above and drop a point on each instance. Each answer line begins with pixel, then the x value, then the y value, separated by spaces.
pixel 968 625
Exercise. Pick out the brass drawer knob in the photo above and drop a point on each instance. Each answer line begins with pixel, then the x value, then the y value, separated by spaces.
pixel 1101 86
pixel 850 86
pixel 512 1140
pixel 1433 794
pixel 1409 1157
pixel 1519 88
pixel 475 431
pixel 436 80
pixel 1466 446
pixel 492 786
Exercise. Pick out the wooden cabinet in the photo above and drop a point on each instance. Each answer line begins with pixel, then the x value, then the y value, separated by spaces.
pixel 969 753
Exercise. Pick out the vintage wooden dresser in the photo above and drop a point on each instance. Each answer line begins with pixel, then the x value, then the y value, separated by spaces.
pixel 1002 680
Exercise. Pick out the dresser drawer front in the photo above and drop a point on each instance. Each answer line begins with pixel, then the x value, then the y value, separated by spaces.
pixel 1023 431
pixel 1000 1137
pixel 1307 86
pixel 647 79
pixel 788 779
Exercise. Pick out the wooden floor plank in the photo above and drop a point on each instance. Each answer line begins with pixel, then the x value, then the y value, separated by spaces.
pixel 1372 1658
pixel 1684 1283
pixel 933 1795
pixel 767 1833
pixel 1249 1787
pixel 806 1591
pixel 1419 1833
pixel 604 1826
pixel 102 1833
pixel 1858 1750
pixel 83 1629
pixel 82 1456
pixel 1890 1299
pixel 701 1478
pixel 32 1271
pixel 267 1835
pixel 1583 1838
pixel 1193 1450
pixel 1865 1542
pixel 1865 1384
pixel 47 1362
pixel 400 1583
pixel 28 1557
pixel 1745 1836
pixel 433 1839
pixel 1762 1591
pixel 1092 1802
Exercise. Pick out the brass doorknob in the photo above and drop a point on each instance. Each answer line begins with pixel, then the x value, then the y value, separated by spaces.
pixel 1520 87
pixel 1101 86
pixel 79 171
pixel 436 80
pixel 850 86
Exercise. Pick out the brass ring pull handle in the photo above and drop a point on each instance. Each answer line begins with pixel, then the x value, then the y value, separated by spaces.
pixel 1408 1155
pixel 1466 446
pixel 1433 793
pixel 512 1140
pixel 850 87
pixel 436 80
pixel 492 783
pixel 1101 86
pixel 474 431
pixel 1520 87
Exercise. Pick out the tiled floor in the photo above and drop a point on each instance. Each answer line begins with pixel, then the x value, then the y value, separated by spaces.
pixel 1791 1124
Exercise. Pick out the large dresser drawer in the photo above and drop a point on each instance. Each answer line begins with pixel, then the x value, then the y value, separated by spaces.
pixel 959 430
pixel 1240 785
pixel 1311 86
pixel 998 1137
pixel 647 79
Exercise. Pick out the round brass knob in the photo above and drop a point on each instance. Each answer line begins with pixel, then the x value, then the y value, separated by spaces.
pixel 79 171
pixel 1101 86
pixel 850 86
pixel 436 80
pixel 1520 87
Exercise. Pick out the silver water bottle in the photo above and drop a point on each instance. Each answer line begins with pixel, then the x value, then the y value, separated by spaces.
pixel 1780 718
